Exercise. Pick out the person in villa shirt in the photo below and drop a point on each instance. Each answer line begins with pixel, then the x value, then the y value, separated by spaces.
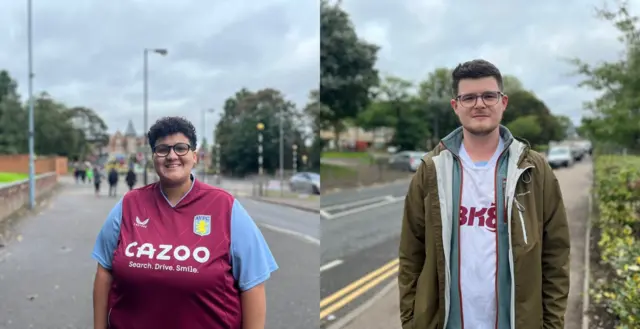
pixel 179 253
pixel 484 241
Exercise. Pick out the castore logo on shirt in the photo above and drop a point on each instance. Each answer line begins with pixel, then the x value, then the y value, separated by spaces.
pixel 141 223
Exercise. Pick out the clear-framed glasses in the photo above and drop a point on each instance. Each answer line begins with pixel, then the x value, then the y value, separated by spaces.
pixel 489 98
pixel 162 150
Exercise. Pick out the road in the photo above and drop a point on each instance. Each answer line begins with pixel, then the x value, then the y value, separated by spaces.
pixel 360 249
pixel 362 194
pixel 46 271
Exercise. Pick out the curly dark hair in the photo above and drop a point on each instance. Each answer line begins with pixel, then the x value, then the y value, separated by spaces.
pixel 475 69
pixel 168 126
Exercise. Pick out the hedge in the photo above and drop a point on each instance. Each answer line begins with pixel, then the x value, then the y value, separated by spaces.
pixel 617 198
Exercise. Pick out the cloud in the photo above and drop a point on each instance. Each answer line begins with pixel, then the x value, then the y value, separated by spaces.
pixel 90 53
pixel 529 40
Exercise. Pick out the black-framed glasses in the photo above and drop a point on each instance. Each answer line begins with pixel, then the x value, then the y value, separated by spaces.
pixel 162 150
pixel 489 98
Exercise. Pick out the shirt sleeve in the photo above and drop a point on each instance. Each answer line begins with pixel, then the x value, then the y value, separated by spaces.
pixel 107 239
pixel 251 259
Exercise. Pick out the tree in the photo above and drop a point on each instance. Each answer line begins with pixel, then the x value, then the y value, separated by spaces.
pixel 526 127
pixel 346 67
pixel 395 94
pixel 237 131
pixel 58 130
pixel 92 125
pixel 564 125
pixel 315 110
pixel 511 84
pixel 377 115
pixel 615 115
pixel 524 103
pixel 435 92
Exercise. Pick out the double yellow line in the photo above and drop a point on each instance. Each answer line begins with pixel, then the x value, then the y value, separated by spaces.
pixel 354 290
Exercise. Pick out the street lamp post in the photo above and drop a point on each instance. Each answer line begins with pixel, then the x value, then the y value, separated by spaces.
pixel 218 164
pixel 260 127
pixel 32 155
pixel 203 165
pixel 145 69
pixel 294 148
pixel 281 153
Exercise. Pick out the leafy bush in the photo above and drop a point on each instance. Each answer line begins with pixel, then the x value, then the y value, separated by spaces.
pixel 617 197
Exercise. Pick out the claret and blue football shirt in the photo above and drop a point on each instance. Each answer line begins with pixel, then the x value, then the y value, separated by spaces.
pixel 181 266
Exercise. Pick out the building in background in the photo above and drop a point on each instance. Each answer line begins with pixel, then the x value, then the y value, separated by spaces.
pixel 125 149
pixel 356 138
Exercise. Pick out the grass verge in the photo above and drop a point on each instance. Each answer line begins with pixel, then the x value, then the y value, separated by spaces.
pixel 10 177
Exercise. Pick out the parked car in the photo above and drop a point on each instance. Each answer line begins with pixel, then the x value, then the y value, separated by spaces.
pixel 406 160
pixel 305 182
pixel 560 156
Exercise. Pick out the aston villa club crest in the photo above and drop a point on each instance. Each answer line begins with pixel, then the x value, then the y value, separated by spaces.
pixel 202 225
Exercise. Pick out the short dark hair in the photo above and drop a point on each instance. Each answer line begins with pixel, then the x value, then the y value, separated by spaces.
pixel 168 126
pixel 475 69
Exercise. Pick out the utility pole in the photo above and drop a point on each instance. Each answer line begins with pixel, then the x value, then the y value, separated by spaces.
pixel 145 100
pixel 145 97
pixel 32 155
pixel 281 152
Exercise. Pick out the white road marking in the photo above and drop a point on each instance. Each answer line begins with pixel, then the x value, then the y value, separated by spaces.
pixel 330 265
pixel 356 203
pixel 389 199
pixel 325 214
pixel 304 237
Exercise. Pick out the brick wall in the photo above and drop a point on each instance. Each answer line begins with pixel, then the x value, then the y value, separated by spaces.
pixel 16 195
pixel 19 163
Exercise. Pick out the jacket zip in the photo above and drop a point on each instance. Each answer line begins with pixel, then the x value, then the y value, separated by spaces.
pixel 495 198
pixel 458 229
pixel 109 318
pixel 521 209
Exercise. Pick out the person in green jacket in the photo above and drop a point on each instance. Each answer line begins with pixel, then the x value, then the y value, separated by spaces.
pixel 484 240
pixel 89 173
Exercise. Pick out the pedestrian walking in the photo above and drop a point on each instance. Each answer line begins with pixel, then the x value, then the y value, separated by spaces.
pixel 179 253
pixel 131 178
pixel 89 173
pixel 97 179
pixel 76 171
pixel 113 181
pixel 484 240
pixel 82 171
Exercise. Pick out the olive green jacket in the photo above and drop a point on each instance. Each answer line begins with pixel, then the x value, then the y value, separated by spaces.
pixel 533 241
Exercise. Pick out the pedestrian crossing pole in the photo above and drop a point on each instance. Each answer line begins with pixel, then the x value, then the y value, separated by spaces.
pixel 260 127
pixel 294 148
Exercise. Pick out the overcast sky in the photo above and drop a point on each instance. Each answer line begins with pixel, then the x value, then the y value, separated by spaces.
pixel 89 53
pixel 525 39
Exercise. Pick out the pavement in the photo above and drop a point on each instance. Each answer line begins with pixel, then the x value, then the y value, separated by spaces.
pixel 359 253
pixel 46 270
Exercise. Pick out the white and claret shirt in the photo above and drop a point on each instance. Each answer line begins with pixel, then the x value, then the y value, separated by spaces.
pixel 478 241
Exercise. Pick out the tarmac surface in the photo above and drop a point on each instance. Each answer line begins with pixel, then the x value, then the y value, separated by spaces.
pixel 46 269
